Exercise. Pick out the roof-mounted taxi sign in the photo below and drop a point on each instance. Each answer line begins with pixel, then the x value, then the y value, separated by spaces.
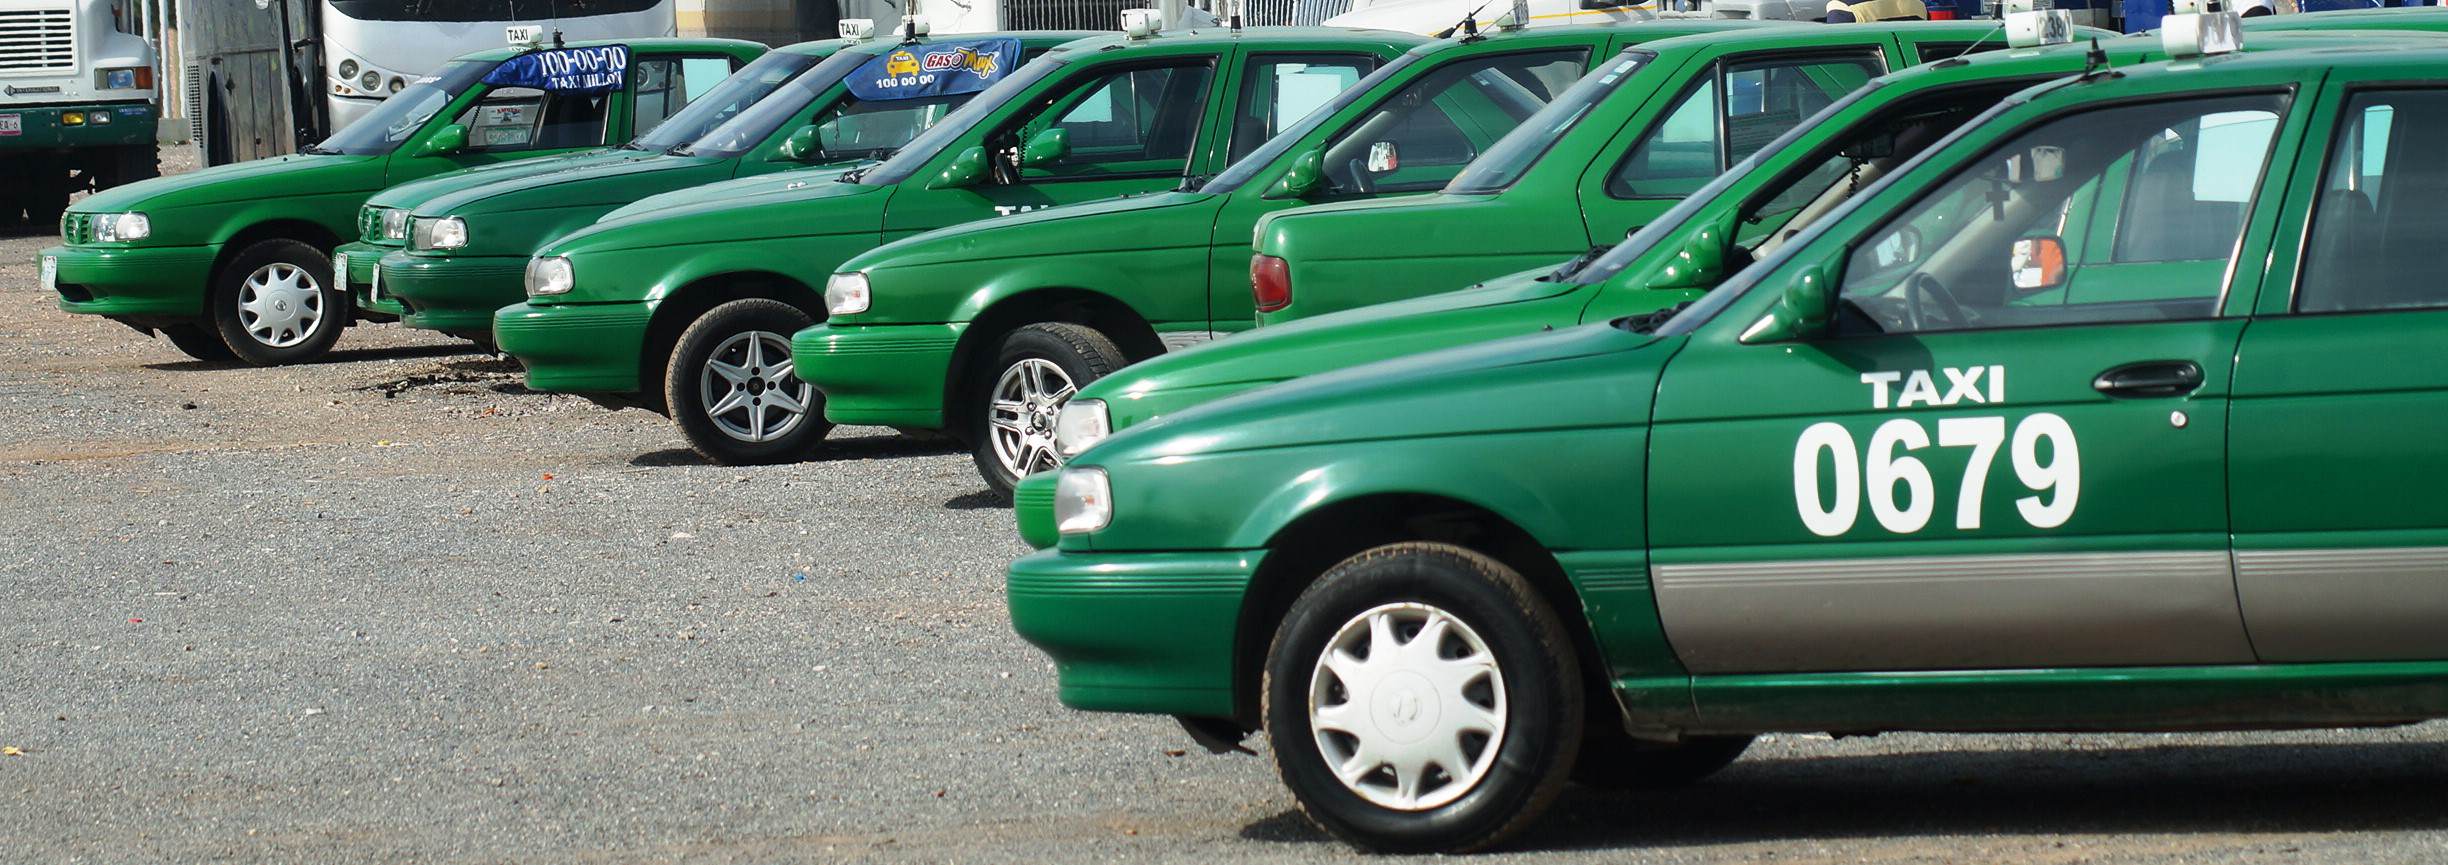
pixel 857 29
pixel 2196 31
pixel 915 26
pixel 2029 27
pixel 1139 23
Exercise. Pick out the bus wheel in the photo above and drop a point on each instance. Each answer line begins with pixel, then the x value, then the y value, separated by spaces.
pixel 733 390
pixel 275 303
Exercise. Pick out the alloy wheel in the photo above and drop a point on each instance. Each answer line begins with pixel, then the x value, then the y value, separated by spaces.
pixel 751 389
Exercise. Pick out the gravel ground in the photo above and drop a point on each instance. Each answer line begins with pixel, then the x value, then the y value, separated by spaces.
pixel 393 608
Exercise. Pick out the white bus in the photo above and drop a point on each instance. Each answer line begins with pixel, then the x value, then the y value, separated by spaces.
pixel 374 48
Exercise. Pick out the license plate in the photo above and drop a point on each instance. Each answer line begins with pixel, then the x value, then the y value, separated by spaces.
pixel 374 284
pixel 12 124
pixel 340 272
pixel 50 273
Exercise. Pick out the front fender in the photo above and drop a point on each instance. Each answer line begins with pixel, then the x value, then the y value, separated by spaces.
pixel 1009 280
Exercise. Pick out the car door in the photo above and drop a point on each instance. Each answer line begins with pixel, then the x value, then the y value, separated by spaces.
pixel 2341 396
pixel 1985 462
pixel 1411 141
pixel 1734 106
pixel 1131 126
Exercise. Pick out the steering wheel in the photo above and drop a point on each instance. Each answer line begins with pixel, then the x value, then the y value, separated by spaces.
pixel 1950 313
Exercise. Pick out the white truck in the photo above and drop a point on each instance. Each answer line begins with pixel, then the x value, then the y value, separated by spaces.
pixel 77 106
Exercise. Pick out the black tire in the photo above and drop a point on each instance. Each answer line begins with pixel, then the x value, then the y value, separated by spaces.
pixel 689 386
pixel 282 263
pixel 1612 760
pixel 45 193
pixel 199 342
pixel 131 164
pixel 1083 354
pixel 1542 698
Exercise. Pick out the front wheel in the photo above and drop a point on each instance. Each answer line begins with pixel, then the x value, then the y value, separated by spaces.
pixel 734 391
pixel 1038 369
pixel 275 303
pixel 1422 698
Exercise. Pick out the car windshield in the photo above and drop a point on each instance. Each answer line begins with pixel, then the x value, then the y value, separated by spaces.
pixel 400 116
pixel 750 127
pixel 922 149
pixel 745 88
pixel 1512 155
pixel 1239 173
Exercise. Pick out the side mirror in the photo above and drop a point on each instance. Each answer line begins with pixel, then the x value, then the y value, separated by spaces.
pixel 1802 311
pixel 2038 264
pixel 1045 148
pixel 1701 263
pixel 1307 172
pixel 445 141
pixel 966 170
pixel 799 146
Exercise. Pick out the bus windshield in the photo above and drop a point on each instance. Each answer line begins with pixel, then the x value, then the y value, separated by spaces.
pixel 922 149
pixel 484 10
pixel 405 112
pixel 744 89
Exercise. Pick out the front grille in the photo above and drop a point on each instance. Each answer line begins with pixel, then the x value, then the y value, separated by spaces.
pixel 37 41
pixel 1067 14
pixel 77 228
pixel 1304 13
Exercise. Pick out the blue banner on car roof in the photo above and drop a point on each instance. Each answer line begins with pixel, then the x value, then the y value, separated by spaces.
pixel 947 68
pixel 601 67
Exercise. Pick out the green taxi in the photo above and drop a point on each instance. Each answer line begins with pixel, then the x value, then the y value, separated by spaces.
pixel 235 259
pixel 1924 466
pixel 1611 156
pixel 685 302
pixel 984 329
pixel 1709 237
pixel 467 239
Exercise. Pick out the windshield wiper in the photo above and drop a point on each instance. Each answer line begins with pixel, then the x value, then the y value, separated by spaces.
pixel 631 146
pixel 1194 183
pixel 1567 269
pixel 856 174
pixel 1650 322
pixel 317 150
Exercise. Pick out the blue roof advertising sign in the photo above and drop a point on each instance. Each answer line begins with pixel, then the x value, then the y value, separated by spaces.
pixel 602 67
pixel 945 68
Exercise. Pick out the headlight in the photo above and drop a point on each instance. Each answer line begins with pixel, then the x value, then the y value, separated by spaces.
pixel 395 224
pixel 550 275
pixel 370 80
pixel 122 227
pixel 348 69
pixel 846 293
pixel 1081 424
pixel 1083 501
pixel 449 232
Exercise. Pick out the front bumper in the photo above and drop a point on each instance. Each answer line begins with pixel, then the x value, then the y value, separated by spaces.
pixel 577 347
pixel 879 375
pixel 363 258
pixel 137 281
pixel 1033 509
pixel 1136 632
pixel 30 128
pixel 454 294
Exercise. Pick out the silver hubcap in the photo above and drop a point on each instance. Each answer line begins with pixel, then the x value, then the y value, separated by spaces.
pixel 280 305
pixel 1021 417
pixel 750 388
pixel 1407 706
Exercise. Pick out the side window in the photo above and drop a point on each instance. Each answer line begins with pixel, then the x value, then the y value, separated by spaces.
pixel 664 85
pixel 1422 135
pixel 1987 247
pixel 857 129
pixel 2186 203
pixel 513 119
pixel 2377 225
pixel 1131 122
pixel 1279 89
pixel 1732 114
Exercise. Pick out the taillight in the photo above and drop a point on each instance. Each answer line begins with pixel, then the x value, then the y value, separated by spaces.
pixel 1270 282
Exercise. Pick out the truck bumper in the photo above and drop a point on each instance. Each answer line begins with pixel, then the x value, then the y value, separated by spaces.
pixel 1136 632
pixel 148 282
pixel 576 348
pixel 879 375
pixel 358 277
pixel 456 294
pixel 100 124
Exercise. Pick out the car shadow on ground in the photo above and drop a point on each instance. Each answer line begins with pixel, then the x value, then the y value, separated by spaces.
pixel 838 450
pixel 345 355
pixel 982 500
pixel 2152 789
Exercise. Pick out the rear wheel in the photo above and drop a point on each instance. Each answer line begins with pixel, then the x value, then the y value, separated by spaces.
pixel 1038 369
pixel 1422 698
pixel 199 342
pixel 275 303
pixel 733 390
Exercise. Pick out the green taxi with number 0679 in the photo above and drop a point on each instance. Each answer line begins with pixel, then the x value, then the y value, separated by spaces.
pixel 1708 238
pixel 234 260
pixel 685 302
pixel 1926 465
pixel 464 242
pixel 983 329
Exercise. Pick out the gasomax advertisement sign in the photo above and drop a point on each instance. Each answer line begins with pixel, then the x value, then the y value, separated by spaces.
pixel 935 69
pixel 602 67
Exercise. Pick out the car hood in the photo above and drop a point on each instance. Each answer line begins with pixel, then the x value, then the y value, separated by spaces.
pixel 1114 222
pixel 294 174
pixel 757 187
pixel 416 193
pixel 820 207
pixel 602 184
pixel 1508 385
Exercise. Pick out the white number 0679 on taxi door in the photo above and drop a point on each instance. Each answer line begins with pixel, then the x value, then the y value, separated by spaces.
pixel 2055 484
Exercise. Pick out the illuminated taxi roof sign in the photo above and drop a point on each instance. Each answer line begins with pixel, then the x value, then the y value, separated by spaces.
pixel 2192 32
pixel 2029 27
pixel 1139 23
pixel 857 29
